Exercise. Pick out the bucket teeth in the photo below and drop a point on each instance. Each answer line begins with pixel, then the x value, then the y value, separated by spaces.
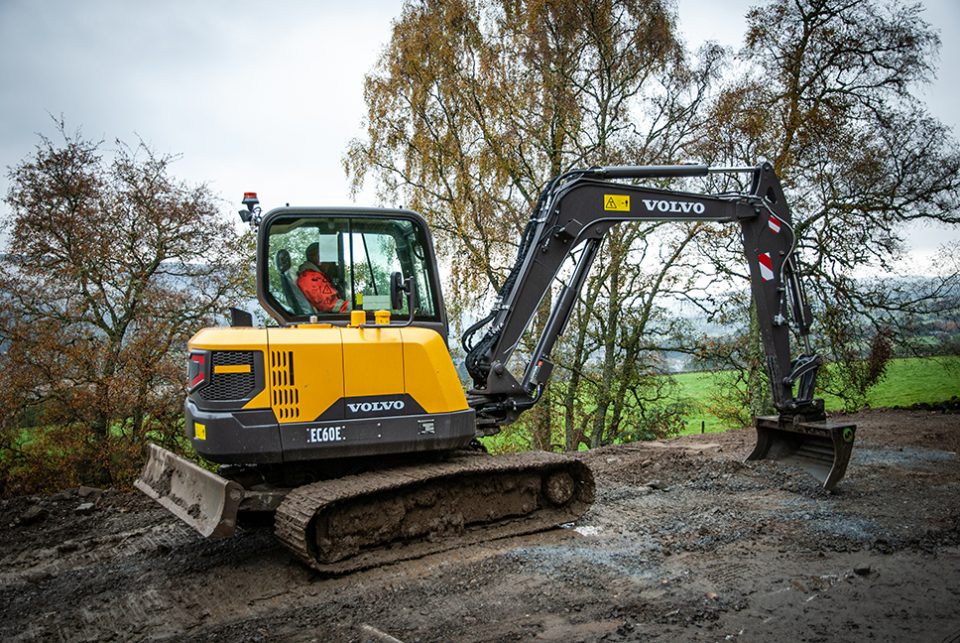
pixel 821 448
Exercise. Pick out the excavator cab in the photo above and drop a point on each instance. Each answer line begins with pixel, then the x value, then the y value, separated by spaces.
pixel 322 264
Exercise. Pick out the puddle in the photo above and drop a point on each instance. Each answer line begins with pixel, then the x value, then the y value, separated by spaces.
pixel 588 530
pixel 832 523
pixel 620 558
pixel 900 457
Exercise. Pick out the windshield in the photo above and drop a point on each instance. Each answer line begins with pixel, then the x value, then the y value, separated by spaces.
pixel 331 265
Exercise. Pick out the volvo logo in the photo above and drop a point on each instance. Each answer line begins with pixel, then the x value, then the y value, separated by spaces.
pixel 681 207
pixel 369 407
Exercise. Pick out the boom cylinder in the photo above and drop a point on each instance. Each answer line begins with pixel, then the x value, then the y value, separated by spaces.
pixel 647 171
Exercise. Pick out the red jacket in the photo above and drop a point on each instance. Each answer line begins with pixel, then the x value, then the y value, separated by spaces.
pixel 320 292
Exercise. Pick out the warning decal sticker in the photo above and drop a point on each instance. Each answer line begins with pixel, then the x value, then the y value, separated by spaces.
pixel 774 224
pixel 766 266
pixel 616 202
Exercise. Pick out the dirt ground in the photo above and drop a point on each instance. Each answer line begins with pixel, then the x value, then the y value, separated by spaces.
pixel 684 543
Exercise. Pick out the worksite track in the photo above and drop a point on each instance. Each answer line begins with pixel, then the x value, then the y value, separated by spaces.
pixel 379 517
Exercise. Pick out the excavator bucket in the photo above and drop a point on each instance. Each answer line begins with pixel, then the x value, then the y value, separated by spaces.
pixel 202 499
pixel 820 448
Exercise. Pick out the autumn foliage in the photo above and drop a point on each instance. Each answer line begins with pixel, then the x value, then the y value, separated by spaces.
pixel 111 265
pixel 475 104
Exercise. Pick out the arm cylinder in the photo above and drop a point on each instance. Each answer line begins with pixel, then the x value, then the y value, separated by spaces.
pixel 648 171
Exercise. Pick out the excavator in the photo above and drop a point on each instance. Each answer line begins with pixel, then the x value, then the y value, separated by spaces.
pixel 349 423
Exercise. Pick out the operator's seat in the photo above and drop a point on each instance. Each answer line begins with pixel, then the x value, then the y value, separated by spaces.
pixel 295 297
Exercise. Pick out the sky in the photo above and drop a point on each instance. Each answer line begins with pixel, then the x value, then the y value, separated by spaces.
pixel 264 96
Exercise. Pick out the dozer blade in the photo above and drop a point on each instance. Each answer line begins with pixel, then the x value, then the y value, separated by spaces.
pixel 202 499
pixel 820 448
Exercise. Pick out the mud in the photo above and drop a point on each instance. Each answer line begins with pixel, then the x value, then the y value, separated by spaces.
pixel 684 542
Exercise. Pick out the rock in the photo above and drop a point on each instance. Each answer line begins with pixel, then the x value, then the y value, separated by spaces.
pixel 656 484
pixel 83 492
pixel 68 546
pixel 862 570
pixel 711 596
pixel 34 513
pixel 84 508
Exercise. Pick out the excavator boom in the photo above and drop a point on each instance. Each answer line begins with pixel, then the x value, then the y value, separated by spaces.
pixel 576 211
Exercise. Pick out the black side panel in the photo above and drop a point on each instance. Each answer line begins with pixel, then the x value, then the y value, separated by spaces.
pixel 377 436
pixel 239 437
pixel 372 406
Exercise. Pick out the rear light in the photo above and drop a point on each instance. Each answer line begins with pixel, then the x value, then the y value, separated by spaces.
pixel 197 371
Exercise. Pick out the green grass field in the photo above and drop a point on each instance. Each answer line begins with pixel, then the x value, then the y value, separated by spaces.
pixel 908 381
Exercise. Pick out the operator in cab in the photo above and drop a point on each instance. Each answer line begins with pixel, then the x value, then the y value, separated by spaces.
pixel 317 283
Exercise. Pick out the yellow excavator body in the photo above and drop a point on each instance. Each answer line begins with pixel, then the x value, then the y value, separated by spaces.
pixel 332 362
pixel 319 391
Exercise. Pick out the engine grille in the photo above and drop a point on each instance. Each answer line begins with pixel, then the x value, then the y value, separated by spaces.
pixel 285 395
pixel 230 386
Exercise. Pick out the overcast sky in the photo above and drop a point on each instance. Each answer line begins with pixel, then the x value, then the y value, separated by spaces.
pixel 261 96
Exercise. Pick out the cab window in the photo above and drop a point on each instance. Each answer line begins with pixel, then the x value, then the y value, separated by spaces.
pixel 328 266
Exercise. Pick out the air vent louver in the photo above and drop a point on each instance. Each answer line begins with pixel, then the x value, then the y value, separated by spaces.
pixel 285 395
